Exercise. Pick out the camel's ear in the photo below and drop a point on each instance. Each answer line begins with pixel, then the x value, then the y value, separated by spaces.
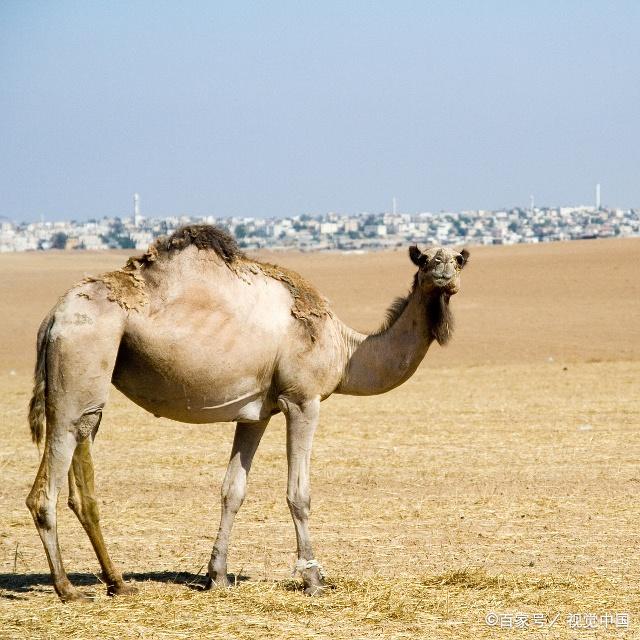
pixel 417 257
pixel 463 258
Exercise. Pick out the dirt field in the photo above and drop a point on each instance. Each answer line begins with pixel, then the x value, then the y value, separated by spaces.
pixel 503 478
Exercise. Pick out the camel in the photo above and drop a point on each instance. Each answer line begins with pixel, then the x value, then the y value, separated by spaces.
pixel 197 332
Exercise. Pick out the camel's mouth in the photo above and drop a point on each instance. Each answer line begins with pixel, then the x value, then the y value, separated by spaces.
pixel 446 283
pixel 442 281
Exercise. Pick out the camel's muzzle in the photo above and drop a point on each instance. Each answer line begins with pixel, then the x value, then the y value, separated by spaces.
pixel 443 273
pixel 446 278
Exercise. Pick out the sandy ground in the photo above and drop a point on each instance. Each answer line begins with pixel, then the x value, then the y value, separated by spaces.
pixel 503 478
pixel 576 301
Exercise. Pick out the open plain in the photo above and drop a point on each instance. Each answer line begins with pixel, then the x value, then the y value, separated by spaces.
pixel 503 478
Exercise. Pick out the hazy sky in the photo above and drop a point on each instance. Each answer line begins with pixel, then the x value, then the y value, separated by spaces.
pixel 280 108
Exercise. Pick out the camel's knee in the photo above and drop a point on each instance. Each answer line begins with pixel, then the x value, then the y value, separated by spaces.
pixel 74 503
pixel 85 508
pixel 233 494
pixel 42 509
pixel 299 505
pixel 88 424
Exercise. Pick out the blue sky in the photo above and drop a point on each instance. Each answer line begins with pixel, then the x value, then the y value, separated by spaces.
pixel 281 108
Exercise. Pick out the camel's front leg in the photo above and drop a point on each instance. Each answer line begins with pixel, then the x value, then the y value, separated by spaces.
pixel 302 419
pixel 234 487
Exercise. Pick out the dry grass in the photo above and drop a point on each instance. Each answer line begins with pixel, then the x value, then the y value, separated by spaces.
pixel 520 501
pixel 477 487
pixel 364 608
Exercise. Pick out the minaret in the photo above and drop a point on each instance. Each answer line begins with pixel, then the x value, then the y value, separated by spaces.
pixel 598 197
pixel 137 218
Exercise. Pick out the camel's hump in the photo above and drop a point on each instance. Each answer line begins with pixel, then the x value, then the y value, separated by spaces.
pixel 202 236
pixel 308 304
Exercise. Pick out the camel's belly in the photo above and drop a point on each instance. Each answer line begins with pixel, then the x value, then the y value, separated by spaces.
pixel 188 409
pixel 192 394
pixel 195 408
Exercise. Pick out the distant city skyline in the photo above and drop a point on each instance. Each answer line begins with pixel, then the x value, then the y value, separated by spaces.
pixel 234 109
pixel 335 231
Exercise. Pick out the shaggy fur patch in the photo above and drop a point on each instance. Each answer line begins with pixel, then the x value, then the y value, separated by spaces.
pixel 440 318
pixel 125 287
pixel 202 236
pixel 393 313
pixel 308 305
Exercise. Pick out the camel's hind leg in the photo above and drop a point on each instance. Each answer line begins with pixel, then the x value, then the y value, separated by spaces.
pixel 83 503
pixel 76 359
pixel 42 502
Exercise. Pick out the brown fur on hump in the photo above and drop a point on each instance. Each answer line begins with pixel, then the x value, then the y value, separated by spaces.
pixel 202 236
pixel 308 305
pixel 125 287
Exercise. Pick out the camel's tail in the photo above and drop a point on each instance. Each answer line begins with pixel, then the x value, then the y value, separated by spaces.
pixel 37 406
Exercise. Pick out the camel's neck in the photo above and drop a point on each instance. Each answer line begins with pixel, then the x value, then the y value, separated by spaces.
pixel 382 361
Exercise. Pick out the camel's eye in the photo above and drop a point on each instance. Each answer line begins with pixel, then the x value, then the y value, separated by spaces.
pixel 460 260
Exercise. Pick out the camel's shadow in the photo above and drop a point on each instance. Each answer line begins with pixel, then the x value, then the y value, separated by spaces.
pixel 16 583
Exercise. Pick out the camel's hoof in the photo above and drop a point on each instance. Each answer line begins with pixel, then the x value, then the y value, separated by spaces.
pixel 73 595
pixel 220 582
pixel 315 590
pixel 121 589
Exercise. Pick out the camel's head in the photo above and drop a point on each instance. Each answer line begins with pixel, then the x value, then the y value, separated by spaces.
pixel 439 268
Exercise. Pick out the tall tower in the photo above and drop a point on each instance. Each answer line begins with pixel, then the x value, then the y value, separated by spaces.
pixel 394 206
pixel 137 218
pixel 598 196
